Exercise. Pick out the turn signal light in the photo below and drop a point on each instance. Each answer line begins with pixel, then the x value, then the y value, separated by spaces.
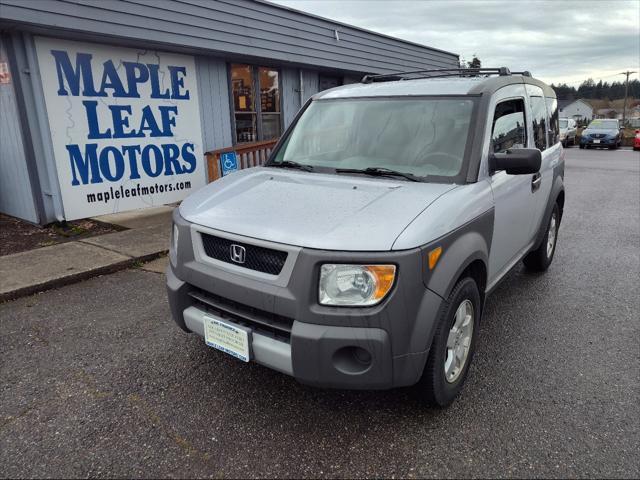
pixel 434 256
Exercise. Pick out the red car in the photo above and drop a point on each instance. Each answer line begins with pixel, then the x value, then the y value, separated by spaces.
pixel 636 141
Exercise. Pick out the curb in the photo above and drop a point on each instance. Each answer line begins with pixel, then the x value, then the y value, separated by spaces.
pixel 78 277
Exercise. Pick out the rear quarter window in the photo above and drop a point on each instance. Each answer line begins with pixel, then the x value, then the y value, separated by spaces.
pixel 554 127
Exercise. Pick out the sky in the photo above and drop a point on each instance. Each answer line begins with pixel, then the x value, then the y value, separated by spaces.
pixel 560 41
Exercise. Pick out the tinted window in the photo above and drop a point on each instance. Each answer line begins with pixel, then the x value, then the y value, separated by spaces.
pixel 538 116
pixel 256 103
pixel 509 127
pixel 554 128
pixel 424 137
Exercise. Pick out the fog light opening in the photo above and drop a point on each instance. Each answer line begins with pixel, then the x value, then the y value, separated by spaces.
pixel 352 360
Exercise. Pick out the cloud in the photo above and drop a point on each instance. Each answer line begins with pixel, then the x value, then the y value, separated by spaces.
pixel 558 41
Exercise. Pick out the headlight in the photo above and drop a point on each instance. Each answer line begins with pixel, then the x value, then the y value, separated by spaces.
pixel 174 238
pixel 355 285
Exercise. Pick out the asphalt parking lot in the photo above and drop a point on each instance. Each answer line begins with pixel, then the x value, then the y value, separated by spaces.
pixel 97 381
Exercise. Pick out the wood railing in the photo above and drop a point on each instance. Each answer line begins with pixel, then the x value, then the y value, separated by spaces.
pixel 248 155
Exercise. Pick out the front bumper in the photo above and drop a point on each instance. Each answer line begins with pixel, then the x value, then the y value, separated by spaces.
pixel 598 142
pixel 377 347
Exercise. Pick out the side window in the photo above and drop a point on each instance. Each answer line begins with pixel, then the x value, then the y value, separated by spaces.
pixel 538 116
pixel 509 127
pixel 554 127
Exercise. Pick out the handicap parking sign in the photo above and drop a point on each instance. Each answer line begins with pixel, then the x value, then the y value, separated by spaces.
pixel 228 162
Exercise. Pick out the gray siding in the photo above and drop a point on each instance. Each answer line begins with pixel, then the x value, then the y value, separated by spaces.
pixel 15 192
pixel 44 177
pixel 231 27
pixel 310 83
pixel 213 89
pixel 290 94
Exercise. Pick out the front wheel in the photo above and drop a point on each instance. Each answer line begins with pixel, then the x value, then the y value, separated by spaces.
pixel 540 259
pixel 453 345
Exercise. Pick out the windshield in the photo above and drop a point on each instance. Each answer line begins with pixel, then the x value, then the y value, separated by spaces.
pixel 423 137
pixel 563 123
pixel 604 124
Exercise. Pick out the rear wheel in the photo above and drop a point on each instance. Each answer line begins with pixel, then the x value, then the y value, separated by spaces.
pixel 540 259
pixel 453 345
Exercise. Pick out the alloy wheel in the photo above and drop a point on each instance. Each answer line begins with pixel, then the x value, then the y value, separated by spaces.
pixel 459 341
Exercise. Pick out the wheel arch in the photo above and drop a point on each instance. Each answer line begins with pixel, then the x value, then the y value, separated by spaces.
pixel 557 196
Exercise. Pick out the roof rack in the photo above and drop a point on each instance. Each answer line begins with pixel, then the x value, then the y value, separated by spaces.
pixel 441 72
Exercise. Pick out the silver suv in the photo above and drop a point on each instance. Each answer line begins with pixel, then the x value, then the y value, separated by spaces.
pixel 361 254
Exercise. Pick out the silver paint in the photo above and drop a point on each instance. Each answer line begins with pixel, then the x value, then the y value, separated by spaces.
pixel 324 211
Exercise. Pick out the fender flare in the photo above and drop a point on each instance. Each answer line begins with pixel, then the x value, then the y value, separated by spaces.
pixel 556 191
pixel 456 257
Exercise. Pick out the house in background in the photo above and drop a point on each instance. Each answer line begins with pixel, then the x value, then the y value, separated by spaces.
pixel 578 110
pixel 608 113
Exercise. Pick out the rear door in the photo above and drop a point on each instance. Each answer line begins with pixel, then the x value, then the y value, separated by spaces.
pixel 545 138
pixel 512 193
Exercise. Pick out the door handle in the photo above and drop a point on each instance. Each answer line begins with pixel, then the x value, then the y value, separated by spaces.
pixel 536 180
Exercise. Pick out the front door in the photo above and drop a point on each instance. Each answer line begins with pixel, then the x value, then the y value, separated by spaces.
pixel 512 193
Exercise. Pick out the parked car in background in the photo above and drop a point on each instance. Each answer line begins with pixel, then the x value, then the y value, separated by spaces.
pixel 360 255
pixel 636 141
pixel 568 131
pixel 602 133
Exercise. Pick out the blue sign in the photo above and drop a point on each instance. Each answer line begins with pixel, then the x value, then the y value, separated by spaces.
pixel 228 162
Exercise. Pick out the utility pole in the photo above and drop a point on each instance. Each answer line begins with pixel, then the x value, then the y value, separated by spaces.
pixel 626 92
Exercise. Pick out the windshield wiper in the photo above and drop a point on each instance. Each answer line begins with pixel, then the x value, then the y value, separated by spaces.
pixel 290 164
pixel 380 172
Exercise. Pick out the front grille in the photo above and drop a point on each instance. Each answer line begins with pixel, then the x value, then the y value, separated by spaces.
pixel 260 259
pixel 271 324
pixel 598 135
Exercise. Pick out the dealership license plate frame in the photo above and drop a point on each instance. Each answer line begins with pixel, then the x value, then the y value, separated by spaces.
pixel 230 338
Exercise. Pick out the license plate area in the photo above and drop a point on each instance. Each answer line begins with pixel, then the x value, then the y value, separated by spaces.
pixel 229 338
pixel 596 141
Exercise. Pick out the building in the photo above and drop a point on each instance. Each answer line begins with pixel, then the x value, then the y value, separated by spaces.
pixel 578 110
pixel 608 113
pixel 111 106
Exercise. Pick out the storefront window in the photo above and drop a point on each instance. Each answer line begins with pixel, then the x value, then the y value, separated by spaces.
pixel 256 118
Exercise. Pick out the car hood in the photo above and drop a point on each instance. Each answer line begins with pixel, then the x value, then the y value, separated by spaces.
pixel 599 131
pixel 314 210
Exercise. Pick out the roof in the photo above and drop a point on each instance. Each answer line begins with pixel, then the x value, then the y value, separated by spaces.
pixel 353 27
pixel 430 86
pixel 245 30
pixel 564 102
pixel 582 100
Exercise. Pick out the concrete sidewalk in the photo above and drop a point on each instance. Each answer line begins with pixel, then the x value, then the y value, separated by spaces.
pixel 147 238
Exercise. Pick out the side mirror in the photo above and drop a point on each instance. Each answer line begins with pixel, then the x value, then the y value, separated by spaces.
pixel 519 161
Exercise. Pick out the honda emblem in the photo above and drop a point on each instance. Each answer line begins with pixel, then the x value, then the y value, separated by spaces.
pixel 238 253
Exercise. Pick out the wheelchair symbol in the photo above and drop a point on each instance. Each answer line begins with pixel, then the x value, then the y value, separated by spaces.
pixel 228 162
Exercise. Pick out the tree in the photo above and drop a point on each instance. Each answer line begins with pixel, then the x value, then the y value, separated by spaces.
pixel 475 62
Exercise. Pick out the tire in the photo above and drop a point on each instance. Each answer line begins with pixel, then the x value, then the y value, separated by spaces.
pixel 436 387
pixel 581 146
pixel 539 259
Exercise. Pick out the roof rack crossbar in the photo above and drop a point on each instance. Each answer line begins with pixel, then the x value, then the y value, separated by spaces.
pixel 444 72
